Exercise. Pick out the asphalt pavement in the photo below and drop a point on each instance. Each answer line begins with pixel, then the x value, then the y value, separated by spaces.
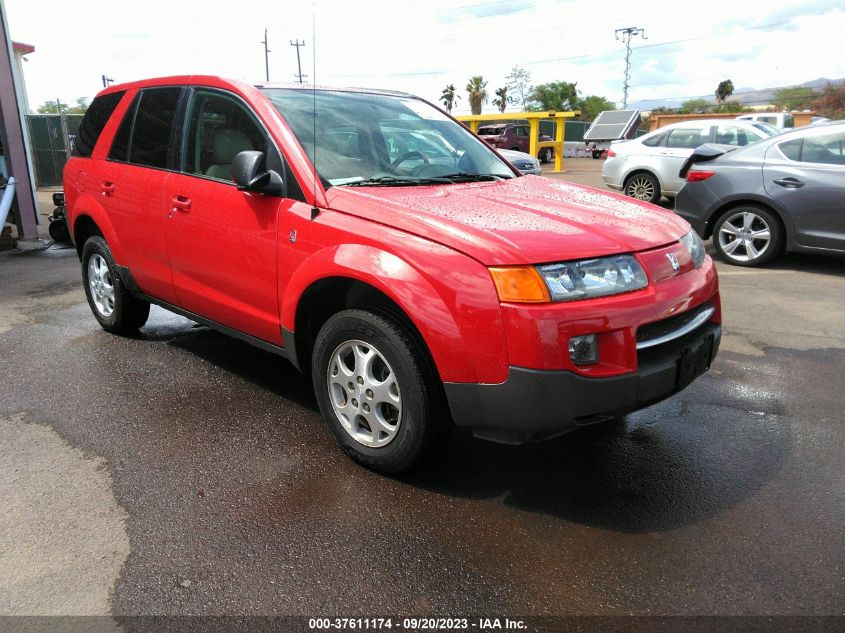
pixel 183 472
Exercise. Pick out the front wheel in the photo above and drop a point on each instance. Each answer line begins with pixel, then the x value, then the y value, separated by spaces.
pixel 376 390
pixel 747 236
pixel 114 307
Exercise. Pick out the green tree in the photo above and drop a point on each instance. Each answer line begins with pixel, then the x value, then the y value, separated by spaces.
pixel 51 107
pixel 794 98
pixel 477 90
pixel 449 97
pixel 557 95
pixel 831 102
pixel 724 90
pixel 501 100
pixel 593 105
pixel 519 86
pixel 80 107
pixel 730 106
pixel 695 106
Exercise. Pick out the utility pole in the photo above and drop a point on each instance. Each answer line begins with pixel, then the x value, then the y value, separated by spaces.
pixel 266 56
pixel 106 80
pixel 299 74
pixel 626 35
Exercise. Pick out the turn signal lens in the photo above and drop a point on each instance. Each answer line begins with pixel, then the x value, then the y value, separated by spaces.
pixel 699 175
pixel 611 153
pixel 520 284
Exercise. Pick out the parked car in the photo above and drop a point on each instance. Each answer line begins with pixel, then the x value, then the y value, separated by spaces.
pixel 416 292
pixel 786 193
pixel 781 120
pixel 525 163
pixel 516 137
pixel 646 168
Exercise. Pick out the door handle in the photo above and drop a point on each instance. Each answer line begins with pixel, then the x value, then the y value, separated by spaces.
pixel 181 203
pixel 788 183
pixel 107 187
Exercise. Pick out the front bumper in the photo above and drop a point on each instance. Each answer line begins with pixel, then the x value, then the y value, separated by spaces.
pixel 538 404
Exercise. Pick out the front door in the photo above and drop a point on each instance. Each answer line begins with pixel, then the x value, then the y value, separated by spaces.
pixel 222 241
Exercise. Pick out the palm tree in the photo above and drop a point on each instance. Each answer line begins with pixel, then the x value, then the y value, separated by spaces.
pixel 477 89
pixel 724 90
pixel 449 98
pixel 501 100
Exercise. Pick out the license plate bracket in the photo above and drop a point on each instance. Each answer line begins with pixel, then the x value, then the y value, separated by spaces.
pixel 694 360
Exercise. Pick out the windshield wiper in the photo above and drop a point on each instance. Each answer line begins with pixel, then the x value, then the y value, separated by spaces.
pixel 392 181
pixel 464 176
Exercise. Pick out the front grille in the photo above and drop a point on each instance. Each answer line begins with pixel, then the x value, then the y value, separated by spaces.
pixel 658 332
pixel 523 165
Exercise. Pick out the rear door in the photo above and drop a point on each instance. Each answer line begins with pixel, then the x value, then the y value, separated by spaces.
pixel 679 145
pixel 806 175
pixel 223 242
pixel 132 182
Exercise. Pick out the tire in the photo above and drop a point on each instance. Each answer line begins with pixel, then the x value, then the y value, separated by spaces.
pixel 596 154
pixel 643 186
pixel 548 156
pixel 59 231
pixel 115 309
pixel 748 235
pixel 356 350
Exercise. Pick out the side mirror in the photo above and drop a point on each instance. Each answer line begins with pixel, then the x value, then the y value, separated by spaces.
pixel 250 175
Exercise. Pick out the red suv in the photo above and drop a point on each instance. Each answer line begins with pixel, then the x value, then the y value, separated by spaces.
pixel 379 245
pixel 515 136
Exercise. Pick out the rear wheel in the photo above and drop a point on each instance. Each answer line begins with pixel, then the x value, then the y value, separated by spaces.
pixel 376 390
pixel 643 186
pixel 748 236
pixel 548 156
pixel 114 307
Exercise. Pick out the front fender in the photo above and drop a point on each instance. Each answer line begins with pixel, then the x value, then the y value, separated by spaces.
pixel 451 300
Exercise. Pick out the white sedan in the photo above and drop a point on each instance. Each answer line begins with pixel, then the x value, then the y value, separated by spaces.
pixel 646 168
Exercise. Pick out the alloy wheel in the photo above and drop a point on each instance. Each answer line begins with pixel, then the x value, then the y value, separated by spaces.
pixel 364 393
pixel 100 284
pixel 641 188
pixel 744 236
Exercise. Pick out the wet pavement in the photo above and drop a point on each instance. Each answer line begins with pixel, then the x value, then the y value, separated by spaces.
pixel 729 498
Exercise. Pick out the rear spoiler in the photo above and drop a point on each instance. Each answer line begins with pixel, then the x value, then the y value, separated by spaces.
pixel 704 153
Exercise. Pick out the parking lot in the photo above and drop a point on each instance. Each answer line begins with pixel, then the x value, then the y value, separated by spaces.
pixel 184 472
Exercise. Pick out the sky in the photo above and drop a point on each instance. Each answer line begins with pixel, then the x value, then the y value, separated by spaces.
pixel 420 47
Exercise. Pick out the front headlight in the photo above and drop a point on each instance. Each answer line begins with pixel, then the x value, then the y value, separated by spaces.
pixel 590 278
pixel 694 244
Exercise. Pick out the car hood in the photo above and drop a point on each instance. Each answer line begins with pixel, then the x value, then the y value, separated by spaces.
pixel 527 220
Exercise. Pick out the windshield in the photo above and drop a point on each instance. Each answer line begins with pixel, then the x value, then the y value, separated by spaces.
pixel 768 128
pixel 375 139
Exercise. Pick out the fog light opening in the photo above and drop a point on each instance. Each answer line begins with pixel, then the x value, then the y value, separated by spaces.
pixel 584 349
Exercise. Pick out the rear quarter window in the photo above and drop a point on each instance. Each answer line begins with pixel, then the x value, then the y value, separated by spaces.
pixel 152 131
pixel 95 119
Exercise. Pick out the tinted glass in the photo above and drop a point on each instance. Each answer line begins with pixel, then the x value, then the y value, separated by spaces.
pixel 735 135
pixel 153 129
pixel 688 137
pixel 219 127
pixel 828 149
pixel 791 149
pixel 95 119
pixel 343 134
pixel 120 144
pixel 655 140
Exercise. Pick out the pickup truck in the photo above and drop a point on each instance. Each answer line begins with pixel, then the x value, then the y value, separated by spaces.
pixel 420 288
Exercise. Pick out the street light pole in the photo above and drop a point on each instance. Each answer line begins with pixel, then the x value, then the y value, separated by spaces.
pixel 626 35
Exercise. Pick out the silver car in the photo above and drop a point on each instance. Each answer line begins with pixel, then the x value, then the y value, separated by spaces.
pixel 646 168
pixel 525 163
pixel 786 193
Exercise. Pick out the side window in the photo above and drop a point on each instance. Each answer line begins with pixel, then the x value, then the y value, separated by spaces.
pixel 120 144
pixel 218 128
pixel 688 137
pixel 827 150
pixel 522 131
pixel 735 135
pixel 791 149
pixel 95 119
pixel 655 141
pixel 152 131
pixel 768 119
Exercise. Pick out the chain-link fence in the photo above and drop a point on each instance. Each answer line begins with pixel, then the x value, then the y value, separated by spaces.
pixel 51 137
